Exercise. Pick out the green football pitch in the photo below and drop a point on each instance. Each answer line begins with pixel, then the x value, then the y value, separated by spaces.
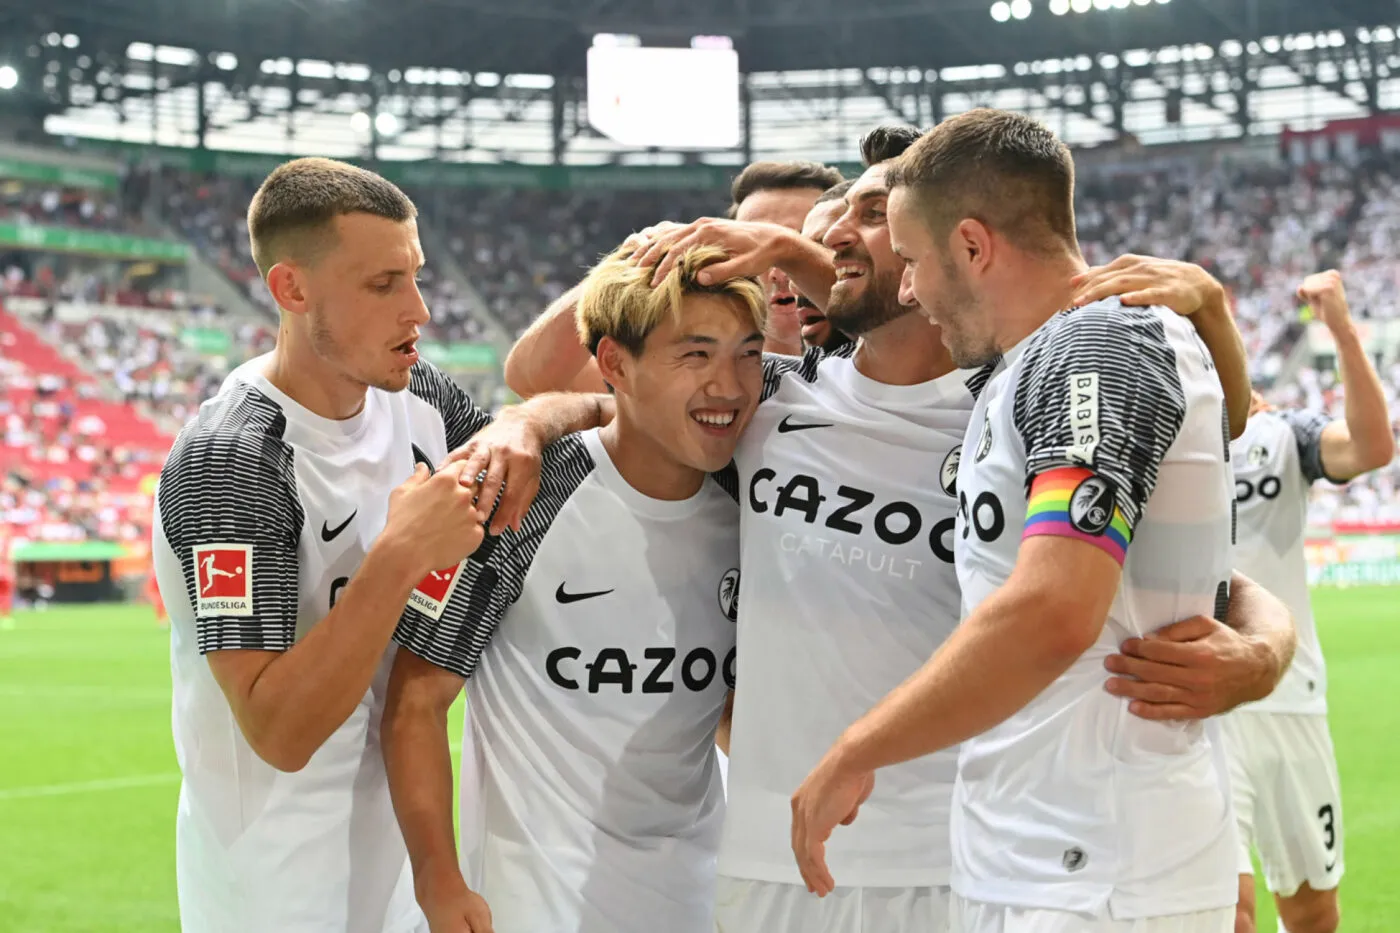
pixel 88 781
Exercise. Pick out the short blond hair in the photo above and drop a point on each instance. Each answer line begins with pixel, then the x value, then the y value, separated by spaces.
pixel 619 301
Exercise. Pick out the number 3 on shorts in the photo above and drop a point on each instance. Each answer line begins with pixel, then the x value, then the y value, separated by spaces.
pixel 1329 828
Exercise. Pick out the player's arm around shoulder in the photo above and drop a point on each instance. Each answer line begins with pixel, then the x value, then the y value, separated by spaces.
pixel 505 453
pixel 548 356
pixel 1201 667
pixel 418 761
pixel 1188 290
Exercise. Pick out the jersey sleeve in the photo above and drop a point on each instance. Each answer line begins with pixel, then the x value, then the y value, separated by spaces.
pixel 1098 403
pixel 452 613
pixel 460 415
pixel 230 511
pixel 1307 427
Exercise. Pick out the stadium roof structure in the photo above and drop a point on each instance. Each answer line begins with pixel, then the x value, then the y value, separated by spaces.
pixel 551 36
pixel 502 79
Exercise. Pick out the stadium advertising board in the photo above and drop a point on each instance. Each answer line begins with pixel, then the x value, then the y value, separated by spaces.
pixel 63 175
pixel 1354 560
pixel 94 242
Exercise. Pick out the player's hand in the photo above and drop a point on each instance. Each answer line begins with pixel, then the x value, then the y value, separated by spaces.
pixel 1324 292
pixel 831 796
pixel 643 239
pixel 1146 280
pixel 454 908
pixel 434 518
pixel 1188 670
pixel 505 456
pixel 753 248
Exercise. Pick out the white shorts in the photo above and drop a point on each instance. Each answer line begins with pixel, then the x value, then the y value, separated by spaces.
pixel 976 917
pixel 744 906
pixel 1288 798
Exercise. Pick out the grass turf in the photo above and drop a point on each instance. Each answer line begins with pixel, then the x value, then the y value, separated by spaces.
pixel 88 781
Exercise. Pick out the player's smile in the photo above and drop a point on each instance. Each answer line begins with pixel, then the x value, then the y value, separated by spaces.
pixel 717 422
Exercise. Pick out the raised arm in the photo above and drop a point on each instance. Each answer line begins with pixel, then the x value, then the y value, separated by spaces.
pixel 1363 441
pixel 548 356
pixel 419 765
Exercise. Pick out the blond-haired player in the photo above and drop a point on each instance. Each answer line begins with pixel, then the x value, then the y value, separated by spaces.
pixel 596 643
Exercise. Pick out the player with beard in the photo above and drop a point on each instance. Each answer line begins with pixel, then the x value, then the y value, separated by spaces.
pixel 780 194
pixel 1102 427
pixel 850 548
pixel 816 330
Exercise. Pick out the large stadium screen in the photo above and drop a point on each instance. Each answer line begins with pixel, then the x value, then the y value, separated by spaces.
pixel 673 98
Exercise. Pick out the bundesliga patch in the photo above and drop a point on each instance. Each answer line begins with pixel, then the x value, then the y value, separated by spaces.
pixel 431 594
pixel 223 580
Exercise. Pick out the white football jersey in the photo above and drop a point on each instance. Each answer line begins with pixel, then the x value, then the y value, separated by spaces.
pixel 1106 425
pixel 848 498
pixel 1276 460
pixel 598 643
pixel 264 512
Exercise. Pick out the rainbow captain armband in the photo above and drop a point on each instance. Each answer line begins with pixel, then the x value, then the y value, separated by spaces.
pixel 1072 502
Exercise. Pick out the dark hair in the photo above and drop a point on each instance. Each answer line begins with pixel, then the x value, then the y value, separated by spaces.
pixel 1001 168
pixel 836 192
pixel 291 213
pixel 886 142
pixel 780 176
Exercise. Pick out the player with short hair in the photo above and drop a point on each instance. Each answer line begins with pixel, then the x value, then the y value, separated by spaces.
pixel 294 516
pixel 1094 506
pixel 760 192
pixel 596 643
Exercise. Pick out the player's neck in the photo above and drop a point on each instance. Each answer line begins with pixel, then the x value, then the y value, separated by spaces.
pixel 645 466
pixel 306 380
pixel 1032 293
pixel 907 351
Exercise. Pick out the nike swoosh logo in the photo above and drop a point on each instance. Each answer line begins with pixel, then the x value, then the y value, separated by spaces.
pixel 787 426
pixel 566 598
pixel 329 534
pixel 1329 868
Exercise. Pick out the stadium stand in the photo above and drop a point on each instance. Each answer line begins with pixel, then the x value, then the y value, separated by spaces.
pixel 1260 228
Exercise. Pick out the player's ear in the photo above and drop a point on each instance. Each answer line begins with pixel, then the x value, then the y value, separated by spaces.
pixel 284 281
pixel 614 363
pixel 972 240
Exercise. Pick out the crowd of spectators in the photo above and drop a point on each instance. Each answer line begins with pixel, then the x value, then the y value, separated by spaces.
pixel 63 480
pixel 1259 228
